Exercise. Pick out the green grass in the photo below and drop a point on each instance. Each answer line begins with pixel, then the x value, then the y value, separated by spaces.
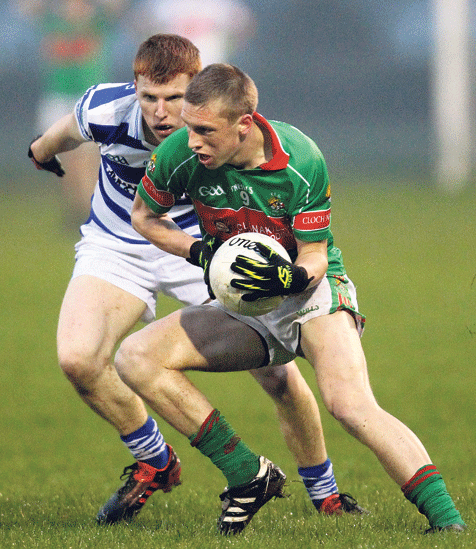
pixel 412 255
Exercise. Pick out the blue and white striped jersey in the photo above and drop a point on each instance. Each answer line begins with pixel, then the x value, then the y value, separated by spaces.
pixel 110 115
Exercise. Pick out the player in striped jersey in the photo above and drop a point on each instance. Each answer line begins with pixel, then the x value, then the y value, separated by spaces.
pixel 118 274
pixel 243 174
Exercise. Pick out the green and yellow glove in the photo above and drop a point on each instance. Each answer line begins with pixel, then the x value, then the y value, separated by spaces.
pixel 275 277
pixel 201 253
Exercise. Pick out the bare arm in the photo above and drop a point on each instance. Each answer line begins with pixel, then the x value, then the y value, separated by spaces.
pixel 160 229
pixel 62 136
pixel 313 257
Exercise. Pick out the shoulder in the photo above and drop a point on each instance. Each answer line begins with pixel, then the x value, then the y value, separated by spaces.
pixel 296 143
pixel 103 94
pixel 110 100
pixel 174 150
pixel 172 159
pixel 305 157
pixel 177 140
pixel 105 107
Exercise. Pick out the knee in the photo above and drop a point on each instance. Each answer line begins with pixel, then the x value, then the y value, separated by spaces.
pixel 352 411
pixel 80 364
pixel 343 412
pixel 132 363
pixel 274 380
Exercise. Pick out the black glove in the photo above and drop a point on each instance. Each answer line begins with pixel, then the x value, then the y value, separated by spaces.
pixel 201 253
pixel 267 279
pixel 53 165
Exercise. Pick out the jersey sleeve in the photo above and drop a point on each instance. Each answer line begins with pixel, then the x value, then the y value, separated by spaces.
pixel 311 218
pixel 81 112
pixel 100 111
pixel 159 200
pixel 166 174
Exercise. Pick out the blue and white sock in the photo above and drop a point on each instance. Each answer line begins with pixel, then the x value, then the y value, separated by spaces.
pixel 148 445
pixel 319 481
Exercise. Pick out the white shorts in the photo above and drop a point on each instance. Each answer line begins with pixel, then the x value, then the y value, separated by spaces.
pixel 141 270
pixel 281 328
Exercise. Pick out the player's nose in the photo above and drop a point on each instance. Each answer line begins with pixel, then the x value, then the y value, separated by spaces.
pixel 160 109
pixel 194 141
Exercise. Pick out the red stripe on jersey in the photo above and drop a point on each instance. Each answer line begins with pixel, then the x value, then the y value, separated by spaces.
pixel 163 198
pixel 312 221
pixel 280 156
pixel 226 222
pixel 72 49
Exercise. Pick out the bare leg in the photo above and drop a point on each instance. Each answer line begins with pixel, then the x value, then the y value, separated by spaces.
pixel 195 338
pixel 94 316
pixel 297 412
pixel 332 345
pixel 152 362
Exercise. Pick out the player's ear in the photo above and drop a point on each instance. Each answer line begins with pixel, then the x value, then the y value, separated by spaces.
pixel 245 123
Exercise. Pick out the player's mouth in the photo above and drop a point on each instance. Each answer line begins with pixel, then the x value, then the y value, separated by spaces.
pixel 204 159
pixel 164 130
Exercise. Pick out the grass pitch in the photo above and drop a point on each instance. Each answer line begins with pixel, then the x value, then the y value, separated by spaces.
pixel 412 256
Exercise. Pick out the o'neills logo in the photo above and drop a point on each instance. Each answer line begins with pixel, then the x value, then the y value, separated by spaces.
pixel 163 198
pixel 312 221
pixel 242 242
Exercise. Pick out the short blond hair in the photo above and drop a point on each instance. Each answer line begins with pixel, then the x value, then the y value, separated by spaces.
pixel 226 83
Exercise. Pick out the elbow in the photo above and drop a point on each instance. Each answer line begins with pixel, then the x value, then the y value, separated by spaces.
pixel 139 222
pixel 316 272
pixel 137 225
pixel 138 215
pixel 135 222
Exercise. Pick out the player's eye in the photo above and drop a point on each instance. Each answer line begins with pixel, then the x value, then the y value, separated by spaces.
pixel 203 130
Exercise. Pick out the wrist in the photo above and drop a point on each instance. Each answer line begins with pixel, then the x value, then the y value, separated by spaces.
pixel 33 149
pixel 35 152
pixel 300 280
pixel 194 252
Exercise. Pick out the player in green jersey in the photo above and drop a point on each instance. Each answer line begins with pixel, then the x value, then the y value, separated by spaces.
pixel 246 174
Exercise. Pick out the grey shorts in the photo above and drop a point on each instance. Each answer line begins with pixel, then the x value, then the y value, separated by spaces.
pixel 281 328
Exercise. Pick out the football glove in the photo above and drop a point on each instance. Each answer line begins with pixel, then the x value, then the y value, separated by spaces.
pixel 275 277
pixel 201 253
pixel 53 165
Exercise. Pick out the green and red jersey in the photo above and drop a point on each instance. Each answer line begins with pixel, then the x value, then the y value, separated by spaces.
pixel 288 197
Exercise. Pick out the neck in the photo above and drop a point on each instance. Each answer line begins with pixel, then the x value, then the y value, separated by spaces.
pixel 255 150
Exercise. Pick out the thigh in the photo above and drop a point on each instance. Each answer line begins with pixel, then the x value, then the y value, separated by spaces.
pixel 332 345
pixel 95 315
pixel 200 337
pixel 129 267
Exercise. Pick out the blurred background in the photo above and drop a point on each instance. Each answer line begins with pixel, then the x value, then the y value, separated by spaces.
pixel 386 90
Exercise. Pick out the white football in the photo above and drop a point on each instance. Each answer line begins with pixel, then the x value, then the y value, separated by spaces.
pixel 221 274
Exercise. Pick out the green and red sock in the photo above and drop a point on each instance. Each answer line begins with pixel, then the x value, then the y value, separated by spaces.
pixel 427 490
pixel 217 440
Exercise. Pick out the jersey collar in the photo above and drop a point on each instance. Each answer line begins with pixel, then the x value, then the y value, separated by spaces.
pixel 280 157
